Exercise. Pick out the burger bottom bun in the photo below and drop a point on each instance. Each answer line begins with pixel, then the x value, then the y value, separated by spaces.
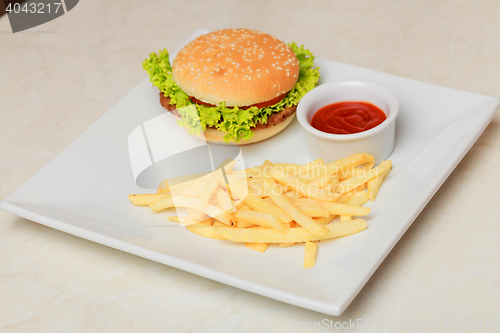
pixel 259 134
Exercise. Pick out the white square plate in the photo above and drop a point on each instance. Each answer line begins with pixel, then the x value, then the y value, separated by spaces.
pixel 83 191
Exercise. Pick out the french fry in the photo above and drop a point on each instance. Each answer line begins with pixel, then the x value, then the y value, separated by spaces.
pixel 225 218
pixel 146 199
pixel 292 194
pixel 375 183
pixel 242 224
pixel 312 165
pixel 310 250
pixel 303 189
pixel 355 181
pixel 163 188
pixel 295 213
pixel 185 190
pixel 204 229
pixel 347 196
pixel 334 167
pixel 268 200
pixel 287 244
pixel 246 173
pixel 189 202
pixel 259 205
pixel 350 172
pixel 258 191
pixel 238 190
pixel 211 186
pixel 295 169
pixel 345 218
pixel 254 182
pixel 196 214
pixel 334 180
pixel 314 211
pixel 306 202
pixel 260 247
pixel 291 235
pixel 320 181
pixel 282 203
pixel 223 199
pixel 161 204
pixel 288 168
pixel 325 220
pixel 357 199
pixel 262 219
pixel 336 208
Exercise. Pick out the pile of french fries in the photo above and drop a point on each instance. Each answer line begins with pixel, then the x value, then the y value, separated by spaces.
pixel 274 203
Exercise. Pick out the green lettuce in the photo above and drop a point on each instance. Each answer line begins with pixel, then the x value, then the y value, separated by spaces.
pixel 235 122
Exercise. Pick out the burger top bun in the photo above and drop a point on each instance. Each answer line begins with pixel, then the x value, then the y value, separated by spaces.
pixel 239 66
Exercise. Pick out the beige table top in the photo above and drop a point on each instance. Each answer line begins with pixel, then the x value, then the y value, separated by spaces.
pixel 58 78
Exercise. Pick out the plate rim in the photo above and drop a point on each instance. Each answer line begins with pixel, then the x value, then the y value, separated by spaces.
pixel 330 308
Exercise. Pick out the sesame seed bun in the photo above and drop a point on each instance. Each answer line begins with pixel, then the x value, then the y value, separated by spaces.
pixel 241 67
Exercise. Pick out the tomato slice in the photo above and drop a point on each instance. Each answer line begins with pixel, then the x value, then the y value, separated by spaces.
pixel 259 105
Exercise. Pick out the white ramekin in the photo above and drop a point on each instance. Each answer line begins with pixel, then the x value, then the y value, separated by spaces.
pixel 378 141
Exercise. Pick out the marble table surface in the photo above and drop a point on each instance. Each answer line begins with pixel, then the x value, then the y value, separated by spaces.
pixel 58 78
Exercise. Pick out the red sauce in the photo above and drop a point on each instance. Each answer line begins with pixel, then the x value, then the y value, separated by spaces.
pixel 347 117
pixel 259 105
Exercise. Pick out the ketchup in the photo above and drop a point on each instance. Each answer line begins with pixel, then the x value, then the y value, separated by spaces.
pixel 347 117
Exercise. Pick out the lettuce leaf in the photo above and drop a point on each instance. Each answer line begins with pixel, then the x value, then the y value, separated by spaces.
pixel 235 122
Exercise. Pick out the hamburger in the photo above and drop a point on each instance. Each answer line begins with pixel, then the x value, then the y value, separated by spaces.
pixel 233 85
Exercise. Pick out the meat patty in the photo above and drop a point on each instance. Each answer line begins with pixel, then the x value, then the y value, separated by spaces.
pixel 272 120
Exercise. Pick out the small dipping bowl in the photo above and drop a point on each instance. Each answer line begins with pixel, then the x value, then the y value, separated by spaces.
pixel 378 141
